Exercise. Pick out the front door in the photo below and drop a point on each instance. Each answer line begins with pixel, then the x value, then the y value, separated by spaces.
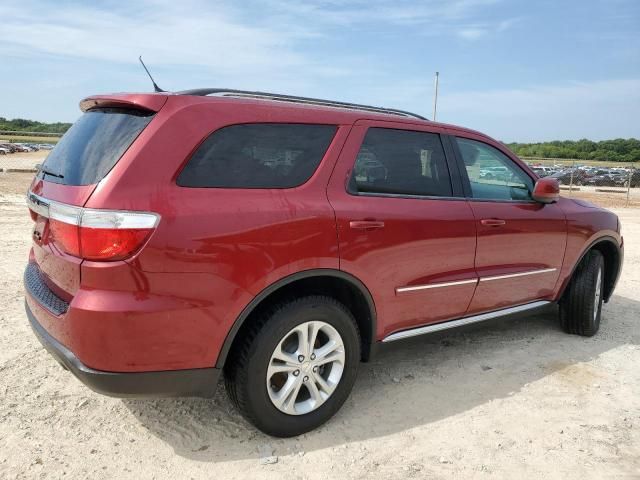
pixel 521 242
pixel 404 228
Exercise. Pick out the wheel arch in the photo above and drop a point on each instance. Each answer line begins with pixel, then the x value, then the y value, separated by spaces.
pixel 341 285
pixel 613 256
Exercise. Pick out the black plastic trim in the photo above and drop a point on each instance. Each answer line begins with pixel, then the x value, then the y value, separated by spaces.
pixel 199 382
pixel 403 195
pixel 457 181
pixel 614 280
pixel 318 272
pixel 38 289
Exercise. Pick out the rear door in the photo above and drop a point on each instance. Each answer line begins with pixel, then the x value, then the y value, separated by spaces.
pixel 521 242
pixel 404 229
pixel 70 173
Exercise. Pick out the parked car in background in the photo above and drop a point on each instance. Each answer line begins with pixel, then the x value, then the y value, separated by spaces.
pixel 543 171
pixel 279 241
pixel 4 151
pixel 605 180
pixel 494 173
pixel 576 176
pixel 632 178
pixel 9 146
pixel 607 177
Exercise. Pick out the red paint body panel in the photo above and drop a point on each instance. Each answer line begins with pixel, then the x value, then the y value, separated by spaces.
pixel 173 303
pixel 533 237
pixel 146 101
pixel 73 195
pixel 586 223
pixel 546 190
pixel 123 320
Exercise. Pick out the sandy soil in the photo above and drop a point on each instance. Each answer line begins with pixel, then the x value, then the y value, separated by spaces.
pixel 26 160
pixel 516 399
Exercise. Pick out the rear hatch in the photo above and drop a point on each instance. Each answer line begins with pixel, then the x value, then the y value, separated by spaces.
pixel 66 180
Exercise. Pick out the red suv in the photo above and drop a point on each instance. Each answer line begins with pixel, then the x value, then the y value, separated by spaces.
pixel 280 240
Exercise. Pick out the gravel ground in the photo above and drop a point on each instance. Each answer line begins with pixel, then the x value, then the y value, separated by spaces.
pixel 517 399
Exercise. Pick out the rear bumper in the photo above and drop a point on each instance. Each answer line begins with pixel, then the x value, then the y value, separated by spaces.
pixel 123 320
pixel 200 382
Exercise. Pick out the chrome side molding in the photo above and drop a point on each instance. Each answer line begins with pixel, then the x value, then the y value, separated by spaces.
pixel 435 285
pixel 464 321
pixel 413 288
pixel 519 274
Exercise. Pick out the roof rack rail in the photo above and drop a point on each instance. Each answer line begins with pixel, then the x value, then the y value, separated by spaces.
pixel 227 92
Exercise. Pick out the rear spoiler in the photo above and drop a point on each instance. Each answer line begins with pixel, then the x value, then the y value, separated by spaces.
pixel 152 102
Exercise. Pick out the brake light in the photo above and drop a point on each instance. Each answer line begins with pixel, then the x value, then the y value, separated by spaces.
pixel 92 234
pixel 111 244
pixel 65 236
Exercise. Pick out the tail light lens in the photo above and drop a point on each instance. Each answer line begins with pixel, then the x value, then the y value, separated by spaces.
pixel 111 244
pixel 101 235
pixel 65 236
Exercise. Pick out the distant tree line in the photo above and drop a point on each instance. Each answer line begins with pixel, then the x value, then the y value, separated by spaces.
pixel 22 125
pixel 618 150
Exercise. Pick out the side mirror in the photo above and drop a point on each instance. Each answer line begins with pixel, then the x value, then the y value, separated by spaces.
pixel 546 190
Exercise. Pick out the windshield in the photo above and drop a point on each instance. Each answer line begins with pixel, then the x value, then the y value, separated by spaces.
pixel 93 145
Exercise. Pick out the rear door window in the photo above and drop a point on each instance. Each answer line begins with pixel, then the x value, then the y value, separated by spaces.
pixel 401 162
pixel 93 145
pixel 260 155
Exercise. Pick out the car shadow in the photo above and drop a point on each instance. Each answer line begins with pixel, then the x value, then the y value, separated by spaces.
pixel 410 383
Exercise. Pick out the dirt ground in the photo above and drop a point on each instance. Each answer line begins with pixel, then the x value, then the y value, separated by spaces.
pixel 22 160
pixel 507 399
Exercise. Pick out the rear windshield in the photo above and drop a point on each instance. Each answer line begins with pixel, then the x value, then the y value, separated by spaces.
pixel 93 145
pixel 259 155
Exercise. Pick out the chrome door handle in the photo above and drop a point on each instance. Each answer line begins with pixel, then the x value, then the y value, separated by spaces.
pixel 492 222
pixel 366 224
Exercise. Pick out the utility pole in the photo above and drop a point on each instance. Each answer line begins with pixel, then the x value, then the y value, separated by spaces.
pixel 435 98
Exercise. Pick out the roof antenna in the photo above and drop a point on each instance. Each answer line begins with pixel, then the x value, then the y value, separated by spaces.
pixel 155 85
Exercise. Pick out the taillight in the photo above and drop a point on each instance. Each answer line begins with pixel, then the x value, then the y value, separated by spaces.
pixel 103 235
pixel 111 244
pixel 65 236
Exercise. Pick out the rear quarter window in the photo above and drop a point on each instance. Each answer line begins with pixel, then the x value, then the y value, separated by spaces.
pixel 261 155
pixel 93 145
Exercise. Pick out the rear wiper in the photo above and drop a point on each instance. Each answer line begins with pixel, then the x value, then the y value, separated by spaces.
pixel 51 173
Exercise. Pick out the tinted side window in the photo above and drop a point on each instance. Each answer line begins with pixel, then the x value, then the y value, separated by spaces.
pixel 493 175
pixel 401 162
pixel 260 155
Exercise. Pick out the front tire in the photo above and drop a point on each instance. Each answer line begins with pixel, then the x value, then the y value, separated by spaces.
pixel 295 366
pixel 581 305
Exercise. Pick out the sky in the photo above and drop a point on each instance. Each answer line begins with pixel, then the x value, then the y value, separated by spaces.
pixel 518 70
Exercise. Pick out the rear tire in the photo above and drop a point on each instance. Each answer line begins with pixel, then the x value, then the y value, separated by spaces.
pixel 320 375
pixel 581 305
